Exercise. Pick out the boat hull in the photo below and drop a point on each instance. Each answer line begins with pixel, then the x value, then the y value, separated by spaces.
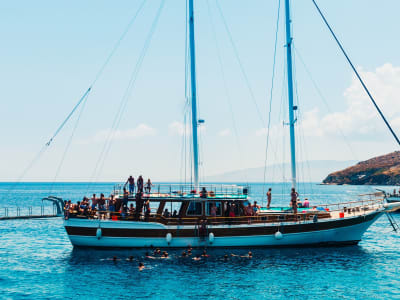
pixel 125 234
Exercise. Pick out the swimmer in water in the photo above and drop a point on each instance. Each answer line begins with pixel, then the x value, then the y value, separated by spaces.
pixel 189 252
pixel 141 266
pixel 183 254
pixel 157 251
pixel 130 258
pixel 197 257
pixel 147 255
pixel 205 254
pixel 165 255
pixel 226 257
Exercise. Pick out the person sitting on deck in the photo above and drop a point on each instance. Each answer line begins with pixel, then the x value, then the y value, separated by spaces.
pixel 213 210
pixel 131 210
pixel 203 193
pixel 306 203
pixel 232 211
pixel 148 186
pixel 101 202
pixel 94 202
pixel 111 203
pixel 131 182
pixel 293 200
pixel 166 213
pixel 256 208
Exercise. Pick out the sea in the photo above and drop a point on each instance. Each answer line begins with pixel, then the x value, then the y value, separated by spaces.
pixel 37 260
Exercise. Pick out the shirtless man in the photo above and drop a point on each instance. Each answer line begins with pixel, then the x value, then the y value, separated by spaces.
pixel 293 200
pixel 269 197
pixel 131 182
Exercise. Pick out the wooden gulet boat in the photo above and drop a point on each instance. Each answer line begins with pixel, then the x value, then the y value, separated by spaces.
pixel 196 225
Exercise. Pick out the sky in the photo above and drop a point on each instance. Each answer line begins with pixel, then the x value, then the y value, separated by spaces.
pixel 52 52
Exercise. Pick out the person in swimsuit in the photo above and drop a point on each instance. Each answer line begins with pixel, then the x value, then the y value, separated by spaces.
pixel 148 186
pixel 293 200
pixel 269 197
pixel 141 266
pixel 256 208
pixel 140 184
pixel 131 182
pixel 94 202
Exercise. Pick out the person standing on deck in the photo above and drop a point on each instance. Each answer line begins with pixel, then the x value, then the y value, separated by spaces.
pixel 148 186
pixel 131 182
pixel 293 200
pixel 269 197
pixel 140 184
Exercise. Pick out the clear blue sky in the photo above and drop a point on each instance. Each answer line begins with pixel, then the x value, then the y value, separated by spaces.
pixel 52 50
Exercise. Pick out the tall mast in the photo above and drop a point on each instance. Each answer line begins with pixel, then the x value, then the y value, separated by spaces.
pixel 290 92
pixel 193 98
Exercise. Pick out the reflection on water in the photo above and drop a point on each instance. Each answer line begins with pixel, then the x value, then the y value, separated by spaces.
pixel 38 261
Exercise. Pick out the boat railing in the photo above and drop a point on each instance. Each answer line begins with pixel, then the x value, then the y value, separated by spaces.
pixel 187 189
pixel 343 206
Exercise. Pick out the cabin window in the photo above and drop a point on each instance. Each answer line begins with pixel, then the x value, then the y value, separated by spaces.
pixel 195 208
pixel 217 205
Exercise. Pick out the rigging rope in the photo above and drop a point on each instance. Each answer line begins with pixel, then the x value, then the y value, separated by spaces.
pixel 117 119
pixel 227 94
pixel 47 145
pixel 67 147
pixel 271 95
pixel 314 83
pixel 357 74
pixel 246 79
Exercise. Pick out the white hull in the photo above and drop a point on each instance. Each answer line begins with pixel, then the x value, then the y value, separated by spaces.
pixel 341 235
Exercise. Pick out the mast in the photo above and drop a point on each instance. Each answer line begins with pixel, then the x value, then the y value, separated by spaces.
pixel 290 92
pixel 193 96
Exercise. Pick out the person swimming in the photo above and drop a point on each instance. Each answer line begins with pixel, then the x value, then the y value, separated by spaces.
pixel 183 254
pixel 141 266
pixel 130 258
pixel 165 255
pixel 197 257
pixel 204 254
pixel 147 255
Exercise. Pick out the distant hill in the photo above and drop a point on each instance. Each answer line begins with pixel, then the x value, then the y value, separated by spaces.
pixel 380 170
pixel 314 171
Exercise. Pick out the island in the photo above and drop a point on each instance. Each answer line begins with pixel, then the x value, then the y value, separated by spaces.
pixel 380 170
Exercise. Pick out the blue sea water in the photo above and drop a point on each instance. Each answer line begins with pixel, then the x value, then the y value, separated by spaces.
pixel 37 260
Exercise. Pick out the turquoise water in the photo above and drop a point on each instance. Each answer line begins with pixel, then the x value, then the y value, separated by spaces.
pixel 38 262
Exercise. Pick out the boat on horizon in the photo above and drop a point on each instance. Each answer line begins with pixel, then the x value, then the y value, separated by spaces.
pixel 215 215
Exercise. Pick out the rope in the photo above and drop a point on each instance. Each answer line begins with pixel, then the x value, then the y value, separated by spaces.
pixel 227 94
pixel 67 147
pixel 271 95
pixel 314 83
pixel 357 74
pixel 246 79
pixel 107 145
pixel 116 45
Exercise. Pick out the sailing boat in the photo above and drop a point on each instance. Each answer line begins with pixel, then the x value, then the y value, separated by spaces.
pixel 214 216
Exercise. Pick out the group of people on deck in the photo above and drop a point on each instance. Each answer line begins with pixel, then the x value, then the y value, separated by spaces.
pixel 139 184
